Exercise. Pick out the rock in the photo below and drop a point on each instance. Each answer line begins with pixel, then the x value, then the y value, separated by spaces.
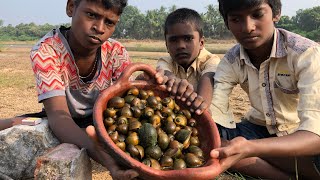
pixel 21 145
pixel 66 161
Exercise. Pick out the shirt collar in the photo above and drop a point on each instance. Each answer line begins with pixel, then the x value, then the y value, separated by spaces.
pixel 201 57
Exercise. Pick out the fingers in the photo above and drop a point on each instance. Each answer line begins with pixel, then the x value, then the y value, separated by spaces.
pixel 170 83
pixel 187 93
pixel 92 134
pixel 191 98
pixel 124 174
pixel 130 174
pixel 160 77
pixel 214 154
pixel 180 87
pixel 219 153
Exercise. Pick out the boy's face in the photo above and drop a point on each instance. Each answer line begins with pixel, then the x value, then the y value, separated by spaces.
pixel 92 24
pixel 183 43
pixel 253 28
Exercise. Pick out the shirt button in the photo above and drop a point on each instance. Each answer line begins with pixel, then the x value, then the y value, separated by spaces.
pixel 264 84
pixel 282 127
pixel 268 114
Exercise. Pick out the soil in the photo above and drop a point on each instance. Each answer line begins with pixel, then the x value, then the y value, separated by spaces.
pixel 18 93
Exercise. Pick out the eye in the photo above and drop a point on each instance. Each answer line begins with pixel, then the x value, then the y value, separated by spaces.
pixel 173 39
pixel 258 15
pixel 109 23
pixel 188 38
pixel 233 19
pixel 91 15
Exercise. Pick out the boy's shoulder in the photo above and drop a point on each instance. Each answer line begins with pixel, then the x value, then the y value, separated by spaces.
pixel 295 42
pixel 233 53
pixel 52 38
pixel 112 44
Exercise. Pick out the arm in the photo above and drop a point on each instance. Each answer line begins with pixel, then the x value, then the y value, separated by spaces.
pixel 67 131
pixel 205 87
pixel 300 143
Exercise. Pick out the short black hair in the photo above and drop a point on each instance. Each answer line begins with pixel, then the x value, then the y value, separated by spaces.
pixel 117 5
pixel 184 15
pixel 225 6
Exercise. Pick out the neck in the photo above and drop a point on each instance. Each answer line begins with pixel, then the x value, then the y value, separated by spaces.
pixel 260 54
pixel 78 51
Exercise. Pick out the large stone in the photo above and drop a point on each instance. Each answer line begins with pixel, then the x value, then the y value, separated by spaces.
pixel 21 145
pixel 66 161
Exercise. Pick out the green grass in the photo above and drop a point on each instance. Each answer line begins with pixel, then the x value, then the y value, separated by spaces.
pixel 215 47
pixel 213 50
pixel 11 80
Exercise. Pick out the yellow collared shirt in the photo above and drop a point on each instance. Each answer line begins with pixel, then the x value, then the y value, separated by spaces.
pixel 206 62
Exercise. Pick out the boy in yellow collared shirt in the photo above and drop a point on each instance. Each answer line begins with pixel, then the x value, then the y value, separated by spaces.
pixel 189 60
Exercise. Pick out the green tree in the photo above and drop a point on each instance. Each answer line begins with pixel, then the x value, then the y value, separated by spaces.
pixel 155 23
pixel 308 19
pixel 214 26
pixel 131 24
pixel 286 23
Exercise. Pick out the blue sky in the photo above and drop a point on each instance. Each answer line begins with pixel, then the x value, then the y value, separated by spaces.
pixel 53 12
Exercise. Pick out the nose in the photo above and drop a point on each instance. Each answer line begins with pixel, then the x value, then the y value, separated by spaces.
pixel 99 27
pixel 248 25
pixel 181 44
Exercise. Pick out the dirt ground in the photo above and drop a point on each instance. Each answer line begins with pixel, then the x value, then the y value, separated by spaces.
pixel 18 93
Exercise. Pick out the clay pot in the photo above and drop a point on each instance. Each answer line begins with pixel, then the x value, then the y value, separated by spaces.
pixel 208 132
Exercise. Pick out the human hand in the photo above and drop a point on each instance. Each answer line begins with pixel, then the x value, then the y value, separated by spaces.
pixel 198 104
pixel 231 152
pixel 160 76
pixel 181 89
pixel 116 171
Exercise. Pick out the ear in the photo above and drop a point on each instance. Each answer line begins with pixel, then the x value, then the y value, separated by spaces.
pixel 277 18
pixel 201 42
pixel 70 8
pixel 166 43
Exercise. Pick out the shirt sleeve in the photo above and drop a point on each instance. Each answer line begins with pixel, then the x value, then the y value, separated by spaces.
pixel 46 67
pixel 211 64
pixel 308 73
pixel 224 81
pixel 165 64
pixel 121 60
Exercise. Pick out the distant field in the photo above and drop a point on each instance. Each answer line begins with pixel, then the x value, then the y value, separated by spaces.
pixel 216 46
pixel 18 93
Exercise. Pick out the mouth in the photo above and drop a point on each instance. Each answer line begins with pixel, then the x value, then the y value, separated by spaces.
pixel 182 55
pixel 96 39
pixel 250 38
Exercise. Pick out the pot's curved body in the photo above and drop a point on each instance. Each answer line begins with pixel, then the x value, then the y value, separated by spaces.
pixel 208 132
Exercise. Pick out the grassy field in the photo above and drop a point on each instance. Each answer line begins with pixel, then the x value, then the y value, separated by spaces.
pixel 18 93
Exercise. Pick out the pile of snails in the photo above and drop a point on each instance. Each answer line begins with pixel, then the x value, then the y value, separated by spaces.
pixel 153 130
